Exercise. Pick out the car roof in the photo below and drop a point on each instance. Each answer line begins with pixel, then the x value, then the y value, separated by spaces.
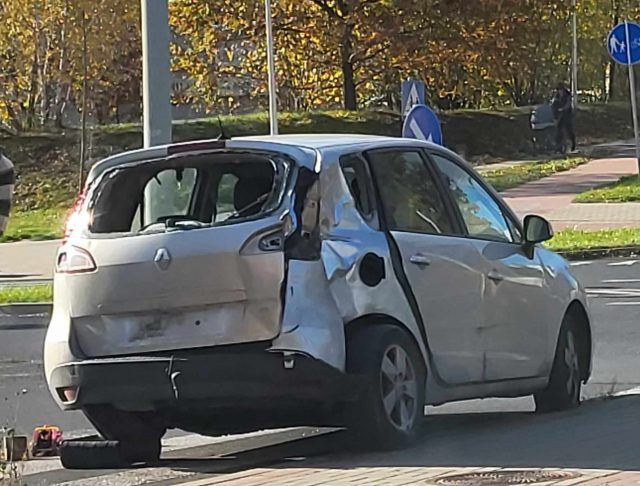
pixel 319 141
pixel 303 147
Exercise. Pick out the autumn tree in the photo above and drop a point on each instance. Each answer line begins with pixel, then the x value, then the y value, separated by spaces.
pixel 44 46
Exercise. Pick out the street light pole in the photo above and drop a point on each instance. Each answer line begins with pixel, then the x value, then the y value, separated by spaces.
pixel 156 80
pixel 273 95
pixel 574 56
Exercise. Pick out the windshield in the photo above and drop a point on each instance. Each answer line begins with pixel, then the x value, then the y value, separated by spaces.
pixel 187 193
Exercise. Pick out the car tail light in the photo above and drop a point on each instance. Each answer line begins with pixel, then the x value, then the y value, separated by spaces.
pixel 72 259
pixel 77 218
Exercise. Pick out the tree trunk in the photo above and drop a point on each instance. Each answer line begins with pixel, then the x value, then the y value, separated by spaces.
pixel 348 78
pixel 33 85
pixel 63 88
pixel 43 74
pixel 615 8
pixel 83 132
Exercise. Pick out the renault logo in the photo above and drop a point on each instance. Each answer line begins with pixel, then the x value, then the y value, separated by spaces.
pixel 162 259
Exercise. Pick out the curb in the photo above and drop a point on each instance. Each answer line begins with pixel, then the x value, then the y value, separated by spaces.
pixel 601 253
pixel 26 310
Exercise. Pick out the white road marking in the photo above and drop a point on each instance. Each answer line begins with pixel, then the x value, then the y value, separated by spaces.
pixel 600 292
pixel 623 303
pixel 631 391
pixel 622 280
pixel 626 263
pixel 580 264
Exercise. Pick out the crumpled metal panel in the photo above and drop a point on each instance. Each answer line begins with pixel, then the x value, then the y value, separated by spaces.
pixel 346 239
pixel 312 323
pixel 318 306
pixel 215 325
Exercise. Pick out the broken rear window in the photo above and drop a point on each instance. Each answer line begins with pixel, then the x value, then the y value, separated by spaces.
pixel 189 192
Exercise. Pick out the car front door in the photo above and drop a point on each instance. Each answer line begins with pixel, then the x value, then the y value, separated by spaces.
pixel 515 298
pixel 444 272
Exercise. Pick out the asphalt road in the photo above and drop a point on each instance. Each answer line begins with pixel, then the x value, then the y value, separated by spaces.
pixel 614 288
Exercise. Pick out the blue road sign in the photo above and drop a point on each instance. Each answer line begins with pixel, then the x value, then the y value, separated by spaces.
pixel 413 93
pixel 624 43
pixel 423 124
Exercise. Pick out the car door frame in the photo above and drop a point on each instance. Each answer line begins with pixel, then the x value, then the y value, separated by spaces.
pixel 459 231
pixel 509 214
pixel 530 253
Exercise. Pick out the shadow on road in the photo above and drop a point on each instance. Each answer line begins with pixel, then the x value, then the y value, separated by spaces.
pixel 601 434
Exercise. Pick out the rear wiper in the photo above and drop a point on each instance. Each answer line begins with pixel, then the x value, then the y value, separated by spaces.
pixel 184 224
pixel 241 211
pixel 175 224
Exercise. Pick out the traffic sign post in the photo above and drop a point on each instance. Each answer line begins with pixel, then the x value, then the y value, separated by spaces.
pixel 423 124
pixel 624 47
pixel 413 93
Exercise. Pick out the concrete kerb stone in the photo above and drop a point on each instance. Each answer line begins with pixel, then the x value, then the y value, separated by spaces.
pixel 27 309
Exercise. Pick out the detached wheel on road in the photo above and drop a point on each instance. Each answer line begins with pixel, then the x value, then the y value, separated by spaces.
pixel 390 407
pixel 91 454
pixel 138 435
pixel 565 382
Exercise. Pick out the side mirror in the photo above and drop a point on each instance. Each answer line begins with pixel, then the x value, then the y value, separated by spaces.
pixel 537 229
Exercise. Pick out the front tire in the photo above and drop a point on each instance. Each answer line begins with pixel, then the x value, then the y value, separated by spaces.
pixel 565 381
pixel 390 369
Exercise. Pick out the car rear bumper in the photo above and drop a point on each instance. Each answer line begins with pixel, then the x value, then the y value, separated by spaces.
pixel 215 378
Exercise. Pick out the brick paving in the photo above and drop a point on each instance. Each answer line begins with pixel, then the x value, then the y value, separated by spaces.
pixel 552 197
pixel 402 476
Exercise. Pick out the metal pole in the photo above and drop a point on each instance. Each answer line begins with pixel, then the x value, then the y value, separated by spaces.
pixel 574 56
pixel 156 74
pixel 632 89
pixel 273 95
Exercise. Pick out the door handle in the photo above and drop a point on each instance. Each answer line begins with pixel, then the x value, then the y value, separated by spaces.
pixel 420 260
pixel 495 276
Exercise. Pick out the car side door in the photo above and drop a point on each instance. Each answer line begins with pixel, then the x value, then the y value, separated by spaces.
pixel 444 272
pixel 516 298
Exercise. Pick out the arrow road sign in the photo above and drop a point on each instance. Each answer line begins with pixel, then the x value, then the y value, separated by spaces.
pixel 413 93
pixel 423 124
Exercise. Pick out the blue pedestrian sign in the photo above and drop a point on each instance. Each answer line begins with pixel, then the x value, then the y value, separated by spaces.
pixel 423 124
pixel 413 93
pixel 624 43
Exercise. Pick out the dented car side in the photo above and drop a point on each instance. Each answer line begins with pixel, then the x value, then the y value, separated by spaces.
pixel 267 288
pixel 222 289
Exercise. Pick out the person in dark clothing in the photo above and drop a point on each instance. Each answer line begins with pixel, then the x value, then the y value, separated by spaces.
pixel 7 180
pixel 563 113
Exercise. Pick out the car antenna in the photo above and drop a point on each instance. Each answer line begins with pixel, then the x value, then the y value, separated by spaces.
pixel 222 135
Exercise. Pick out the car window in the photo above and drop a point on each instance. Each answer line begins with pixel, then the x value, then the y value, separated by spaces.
pixel 410 198
pixel 481 213
pixel 355 173
pixel 171 191
pixel 194 193
pixel 224 203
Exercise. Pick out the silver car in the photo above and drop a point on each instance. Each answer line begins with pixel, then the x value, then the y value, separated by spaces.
pixel 229 285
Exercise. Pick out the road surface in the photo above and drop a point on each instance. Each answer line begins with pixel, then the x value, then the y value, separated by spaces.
pixel 457 435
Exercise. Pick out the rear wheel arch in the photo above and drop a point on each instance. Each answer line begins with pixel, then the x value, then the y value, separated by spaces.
pixel 367 321
pixel 581 327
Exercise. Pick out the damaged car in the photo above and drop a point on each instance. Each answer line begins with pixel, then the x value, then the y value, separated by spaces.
pixel 343 280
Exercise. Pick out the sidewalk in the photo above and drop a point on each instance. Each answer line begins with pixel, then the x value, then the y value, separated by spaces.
pixel 27 260
pixel 552 197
